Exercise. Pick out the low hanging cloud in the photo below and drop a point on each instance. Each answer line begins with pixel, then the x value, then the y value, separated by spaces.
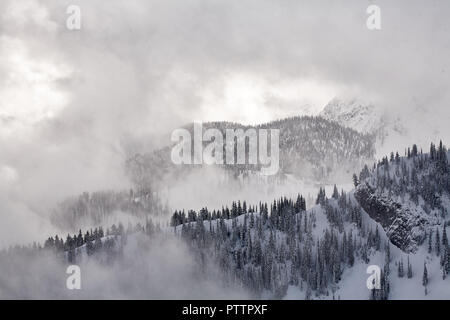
pixel 75 104
pixel 159 268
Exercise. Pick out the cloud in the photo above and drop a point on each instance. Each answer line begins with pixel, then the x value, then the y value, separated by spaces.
pixel 162 267
pixel 75 104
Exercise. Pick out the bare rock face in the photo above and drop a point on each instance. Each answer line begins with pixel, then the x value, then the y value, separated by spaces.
pixel 405 228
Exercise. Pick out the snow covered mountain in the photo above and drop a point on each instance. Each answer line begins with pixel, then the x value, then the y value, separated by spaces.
pixel 395 220
pixel 310 147
pixel 314 152
pixel 409 196
pixel 356 114
pixel 387 129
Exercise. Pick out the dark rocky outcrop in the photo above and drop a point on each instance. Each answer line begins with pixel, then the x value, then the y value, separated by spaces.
pixel 406 229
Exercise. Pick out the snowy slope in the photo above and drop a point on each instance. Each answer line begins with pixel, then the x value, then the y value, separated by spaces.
pixel 388 129
pixel 282 250
pixel 421 244
pixel 353 283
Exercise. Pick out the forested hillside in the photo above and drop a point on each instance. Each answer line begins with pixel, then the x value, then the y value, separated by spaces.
pixel 310 147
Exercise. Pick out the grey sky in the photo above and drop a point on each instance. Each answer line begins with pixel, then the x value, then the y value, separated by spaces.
pixel 73 104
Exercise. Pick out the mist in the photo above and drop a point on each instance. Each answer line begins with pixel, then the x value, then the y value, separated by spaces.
pixel 162 267
pixel 75 105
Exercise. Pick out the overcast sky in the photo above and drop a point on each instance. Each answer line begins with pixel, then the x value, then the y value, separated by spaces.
pixel 73 104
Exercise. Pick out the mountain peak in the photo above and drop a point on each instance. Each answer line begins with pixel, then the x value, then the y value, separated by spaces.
pixel 354 113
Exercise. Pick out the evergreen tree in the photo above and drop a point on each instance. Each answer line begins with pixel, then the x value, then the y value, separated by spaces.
pixel 425 277
pixel 430 244
pixel 335 193
pixel 444 237
pixel 410 272
pixel 438 243
pixel 400 269
pixel 355 180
